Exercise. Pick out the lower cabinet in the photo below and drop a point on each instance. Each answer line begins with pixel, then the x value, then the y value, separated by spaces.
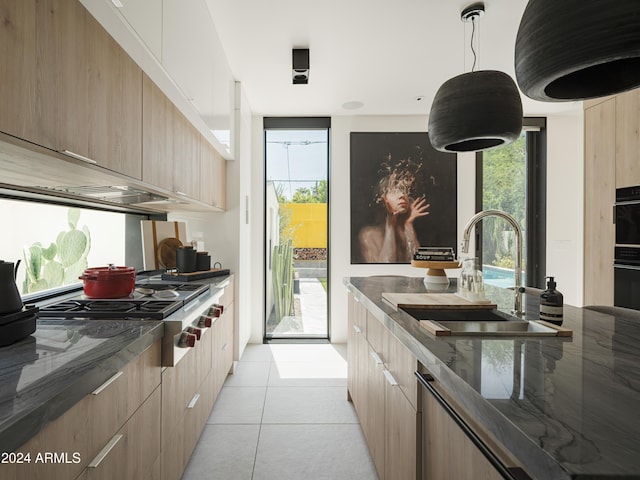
pixel 133 452
pixel 385 401
pixel 113 432
pixel 448 449
pixel 190 389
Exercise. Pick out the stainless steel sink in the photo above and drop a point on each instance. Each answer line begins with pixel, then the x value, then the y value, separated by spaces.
pixel 485 322
pixel 457 314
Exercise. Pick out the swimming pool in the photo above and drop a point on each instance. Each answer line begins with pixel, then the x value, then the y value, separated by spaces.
pixel 498 276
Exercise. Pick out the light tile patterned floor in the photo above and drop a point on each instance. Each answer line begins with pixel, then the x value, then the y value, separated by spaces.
pixel 284 414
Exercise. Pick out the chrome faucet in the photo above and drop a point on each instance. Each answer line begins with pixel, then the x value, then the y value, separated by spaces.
pixel 517 301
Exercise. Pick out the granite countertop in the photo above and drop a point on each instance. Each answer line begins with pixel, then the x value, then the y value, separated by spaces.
pixel 565 407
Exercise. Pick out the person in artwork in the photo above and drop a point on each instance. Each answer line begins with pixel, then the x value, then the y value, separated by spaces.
pixel 393 239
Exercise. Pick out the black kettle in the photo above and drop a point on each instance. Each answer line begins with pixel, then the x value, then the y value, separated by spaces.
pixel 10 300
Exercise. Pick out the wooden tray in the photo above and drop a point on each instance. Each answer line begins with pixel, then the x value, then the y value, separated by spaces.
pixel 434 300
pixel 188 277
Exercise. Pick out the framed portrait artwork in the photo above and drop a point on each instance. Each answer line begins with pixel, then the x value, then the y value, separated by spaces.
pixel 403 196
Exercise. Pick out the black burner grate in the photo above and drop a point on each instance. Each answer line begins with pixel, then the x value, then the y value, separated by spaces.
pixel 104 309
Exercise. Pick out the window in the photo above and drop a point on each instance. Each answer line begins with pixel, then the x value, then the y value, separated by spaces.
pixel 56 243
pixel 512 178
pixel 296 228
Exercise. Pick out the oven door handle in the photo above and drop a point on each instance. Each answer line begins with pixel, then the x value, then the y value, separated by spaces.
pixel 626 267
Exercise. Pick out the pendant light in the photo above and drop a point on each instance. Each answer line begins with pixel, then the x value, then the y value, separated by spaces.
pixel 577 49
pixel 475 110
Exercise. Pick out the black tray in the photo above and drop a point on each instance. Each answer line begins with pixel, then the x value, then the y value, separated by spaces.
pixel 17 330
pixel 187 277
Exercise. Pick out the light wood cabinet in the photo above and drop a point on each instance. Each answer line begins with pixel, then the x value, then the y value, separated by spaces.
pixel 175 156
pixel 157 136
pixel 186 157
pixel 91 101
pixel 448 452
pixel 627 125
pixel 213 169
pixel 18 69
pixel 190 389
pixel 84 431
pixel 600 185
pixel 134 450
pixel 380 378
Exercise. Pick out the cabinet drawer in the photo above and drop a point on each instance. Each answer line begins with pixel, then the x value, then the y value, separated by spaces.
pixel 118 398
pixel 376 334
pixel 402 365
pixel 133 451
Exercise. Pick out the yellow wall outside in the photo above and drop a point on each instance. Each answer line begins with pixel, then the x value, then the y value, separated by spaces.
pixel 309 221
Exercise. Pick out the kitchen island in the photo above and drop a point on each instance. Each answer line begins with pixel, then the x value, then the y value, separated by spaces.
pixel 562 407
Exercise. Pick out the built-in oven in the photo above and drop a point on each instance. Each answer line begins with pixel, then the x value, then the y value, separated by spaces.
pixel 627 249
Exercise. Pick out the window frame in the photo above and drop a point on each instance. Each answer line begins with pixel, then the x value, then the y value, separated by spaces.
pixel 536 201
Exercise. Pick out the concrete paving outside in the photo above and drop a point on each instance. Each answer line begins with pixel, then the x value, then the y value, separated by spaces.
pixel 310 312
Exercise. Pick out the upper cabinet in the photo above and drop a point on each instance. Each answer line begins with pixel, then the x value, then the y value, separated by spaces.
pixel 92 96
pixel 628 139
pixel 203 75
pixel 18 73
pixel 70 87
pixel 599 187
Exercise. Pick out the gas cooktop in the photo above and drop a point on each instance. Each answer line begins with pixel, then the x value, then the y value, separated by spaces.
pixel 158 301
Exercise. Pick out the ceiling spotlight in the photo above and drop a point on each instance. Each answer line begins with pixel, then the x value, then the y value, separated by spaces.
pixel 300 66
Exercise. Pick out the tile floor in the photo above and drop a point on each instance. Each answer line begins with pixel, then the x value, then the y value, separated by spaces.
pixel 284 414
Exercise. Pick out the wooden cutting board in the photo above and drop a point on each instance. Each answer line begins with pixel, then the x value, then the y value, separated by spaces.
pixel 434 300
pixel 153 233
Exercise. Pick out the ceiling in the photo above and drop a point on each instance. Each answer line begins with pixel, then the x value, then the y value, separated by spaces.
pixel 384 54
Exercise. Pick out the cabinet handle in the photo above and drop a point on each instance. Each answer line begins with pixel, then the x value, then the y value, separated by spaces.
pixel 178 192
pixel 357 329
pixel 390 379
pixel 376 358
pixel 79 157
pixel 105 451
pixel 99 390
pixel 193 401
pixel 225 346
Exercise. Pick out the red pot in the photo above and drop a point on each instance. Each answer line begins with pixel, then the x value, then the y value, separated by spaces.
pixel 109 282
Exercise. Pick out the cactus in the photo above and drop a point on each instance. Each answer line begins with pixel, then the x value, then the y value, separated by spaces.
pixel 282 268
pixel 62 262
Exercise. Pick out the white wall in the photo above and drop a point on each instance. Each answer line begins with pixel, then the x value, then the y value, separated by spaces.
pixel 565 204
pixel 564 209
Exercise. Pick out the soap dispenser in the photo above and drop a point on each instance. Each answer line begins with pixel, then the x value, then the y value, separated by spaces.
pixel 551 302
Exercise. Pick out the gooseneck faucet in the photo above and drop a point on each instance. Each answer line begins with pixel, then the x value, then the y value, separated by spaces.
pixel 517 301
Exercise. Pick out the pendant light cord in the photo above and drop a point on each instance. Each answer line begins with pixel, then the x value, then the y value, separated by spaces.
pixel 473 34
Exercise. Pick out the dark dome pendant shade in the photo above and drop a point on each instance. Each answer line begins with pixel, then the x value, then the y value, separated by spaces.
pixel 475 111
pixel 575 49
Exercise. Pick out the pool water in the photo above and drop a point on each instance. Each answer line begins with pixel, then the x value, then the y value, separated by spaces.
pixel 499 277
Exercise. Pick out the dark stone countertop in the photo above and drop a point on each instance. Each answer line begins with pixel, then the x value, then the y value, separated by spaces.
pixel 45 374
pixel 565 408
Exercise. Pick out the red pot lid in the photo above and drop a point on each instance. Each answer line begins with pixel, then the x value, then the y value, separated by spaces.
pixel 109 272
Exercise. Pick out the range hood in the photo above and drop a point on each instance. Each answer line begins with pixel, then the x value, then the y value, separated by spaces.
pixel 122 194
pixel 38 173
